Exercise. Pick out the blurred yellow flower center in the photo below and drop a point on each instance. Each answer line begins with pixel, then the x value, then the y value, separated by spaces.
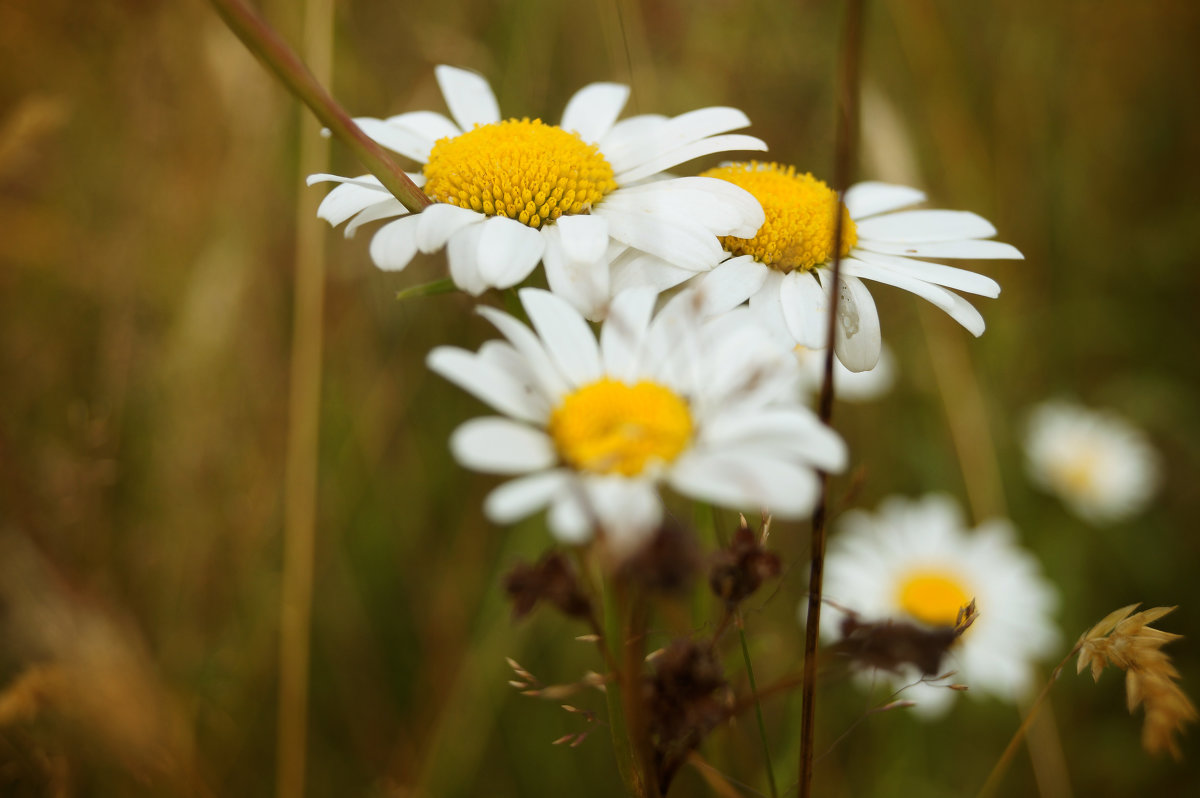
pixel 1077 472
pixel 801 217
pixel 521 169
pixel 933 597
pixel 610 427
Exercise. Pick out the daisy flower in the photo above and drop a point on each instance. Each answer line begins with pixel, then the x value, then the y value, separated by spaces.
pixel 785 270
pixel 509 193
pixel 915 561
pixel 590 428
pixel 1097 463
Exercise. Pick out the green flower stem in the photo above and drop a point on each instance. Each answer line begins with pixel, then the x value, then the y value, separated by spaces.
pixel 273 51
pixel 444 286
pixel 762 727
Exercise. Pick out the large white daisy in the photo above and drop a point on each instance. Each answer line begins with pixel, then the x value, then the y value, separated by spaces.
pixel 1100 465
pixel 590 428
pixel 511 192
pixel 915 561
pixel 785 269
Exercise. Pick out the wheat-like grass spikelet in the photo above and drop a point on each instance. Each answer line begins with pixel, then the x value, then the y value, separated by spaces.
pixel 1129 643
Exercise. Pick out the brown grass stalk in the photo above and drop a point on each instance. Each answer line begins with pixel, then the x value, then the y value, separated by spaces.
pixel 845 138
pixel 301 464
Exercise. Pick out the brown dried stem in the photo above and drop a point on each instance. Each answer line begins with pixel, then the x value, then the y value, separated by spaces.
pixel 847 128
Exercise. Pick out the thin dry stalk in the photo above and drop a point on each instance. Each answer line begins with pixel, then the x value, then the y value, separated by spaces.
pixel 846 135
pixel 304 405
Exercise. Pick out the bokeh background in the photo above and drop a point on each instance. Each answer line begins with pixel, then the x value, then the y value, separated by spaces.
pixel 149 183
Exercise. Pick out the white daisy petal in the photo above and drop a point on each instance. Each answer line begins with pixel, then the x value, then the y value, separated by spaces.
pixel 462 252
pixel 690 152
pixel 636 269
pixel 622 334
pixel 936 273
pixel 625 135
pixel 657 138
pixel 468 96
pixel 508 251
pixel 730 284
pixel 805 309
pixel 440 221
pixel 593 110
pixel 629 510
pixel 569 520
pixel 583 284
pixel 568 340
pixel 489 384
pixel 403 140
pixel 428 125
pixel 858 342
pixel 767 307
pixel 923 226
pixel 725 209
pixel 380 210
pixel 531 349
pixel 747 482
pixel 352 197
pixel 679 242
pixel 395 244
pixel 363 181
pixel 499 446
pixel 975 249
pixel 792 433
pixel 869 198
pixel 524 496
pixel 959 309
pixel 584 237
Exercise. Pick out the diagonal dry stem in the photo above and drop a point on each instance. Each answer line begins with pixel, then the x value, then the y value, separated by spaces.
pixel 273 51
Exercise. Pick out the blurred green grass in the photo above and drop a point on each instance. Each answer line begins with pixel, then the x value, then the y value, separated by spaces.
pixel 147 187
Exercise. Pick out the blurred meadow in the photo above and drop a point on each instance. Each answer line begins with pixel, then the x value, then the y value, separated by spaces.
pixel 149 190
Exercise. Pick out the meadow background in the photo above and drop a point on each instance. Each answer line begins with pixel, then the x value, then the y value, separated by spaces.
pixel 148 204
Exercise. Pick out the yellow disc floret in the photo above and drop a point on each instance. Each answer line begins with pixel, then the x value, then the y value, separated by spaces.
pixel 933 597
pixel 801 217
pixel 609 427
pixel 521 169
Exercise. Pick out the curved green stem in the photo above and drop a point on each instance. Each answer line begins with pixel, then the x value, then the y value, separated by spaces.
pixel 762 727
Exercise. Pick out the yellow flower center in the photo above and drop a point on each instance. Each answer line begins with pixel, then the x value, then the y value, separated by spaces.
pixel 610 427
pixel 933 597
pixel 801 217
pixel 1077 473
pixel 521 169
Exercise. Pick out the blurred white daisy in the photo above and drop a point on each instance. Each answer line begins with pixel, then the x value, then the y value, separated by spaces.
pixel 785 269
pixel 1102 467
pixel 915 561
pixel 511 192
pixel 849 386
pixel 708 406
